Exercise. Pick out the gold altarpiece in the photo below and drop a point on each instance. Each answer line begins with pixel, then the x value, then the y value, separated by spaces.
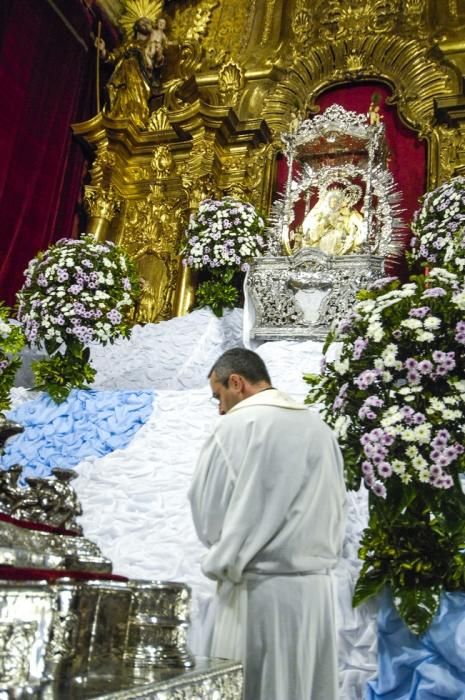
pixel 236 75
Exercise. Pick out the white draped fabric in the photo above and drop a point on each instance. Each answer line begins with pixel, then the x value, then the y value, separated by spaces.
pixel 135 500
pixel 268 500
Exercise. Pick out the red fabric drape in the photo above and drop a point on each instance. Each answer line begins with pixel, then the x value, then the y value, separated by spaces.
pixel 40 527
pixel 407 154
pixel 47 78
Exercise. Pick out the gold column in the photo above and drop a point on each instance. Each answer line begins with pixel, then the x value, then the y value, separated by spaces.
pixel 101 205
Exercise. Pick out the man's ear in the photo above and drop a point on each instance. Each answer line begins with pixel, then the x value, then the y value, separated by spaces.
pixel 236 382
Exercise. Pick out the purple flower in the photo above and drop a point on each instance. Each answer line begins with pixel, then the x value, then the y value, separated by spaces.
pixel 379 489
pixel 413 376
pixel 419 311
pixel 460 332
pixel 383 282
pixel 360 345
pixel 366 378
pixel 62 275
pixel 447 482
pixel 75 289
pixel 439 356
pixel 410 363
pixel 114 316
pixel 425 367
pixel 384 469
pixel 367 468
pixel 434 291
pixel 407 413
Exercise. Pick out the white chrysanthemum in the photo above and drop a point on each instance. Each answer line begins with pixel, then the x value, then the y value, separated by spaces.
pixel 341 367
pixel 422 432
pixel 411 323
pixel 424 336
pixel 432 322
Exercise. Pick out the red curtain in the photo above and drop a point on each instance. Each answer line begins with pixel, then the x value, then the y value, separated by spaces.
pixel 47 78
pixel 407 154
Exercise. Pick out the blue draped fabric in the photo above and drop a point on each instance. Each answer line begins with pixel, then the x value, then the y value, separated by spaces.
pixel 88 424
pixel 431 667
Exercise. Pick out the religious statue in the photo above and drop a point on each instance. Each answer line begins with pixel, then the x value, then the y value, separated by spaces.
pixel 334 225
pixel 137 73
pixel 374 110
pixel 146 308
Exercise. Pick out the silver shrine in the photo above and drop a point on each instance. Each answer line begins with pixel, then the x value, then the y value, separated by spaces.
pixel 350 223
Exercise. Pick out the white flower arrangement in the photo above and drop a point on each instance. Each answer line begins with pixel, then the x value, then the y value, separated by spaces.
pixel 75 293
pixel 222 237
pixel 400 407
pixel 439 227
pixel 399 415
pixel 223 233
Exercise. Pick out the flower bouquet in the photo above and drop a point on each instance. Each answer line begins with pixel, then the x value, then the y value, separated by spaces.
pixel 396 399
pixel 438 227
pixel 222 237
pixel 75 293
pixel 11 342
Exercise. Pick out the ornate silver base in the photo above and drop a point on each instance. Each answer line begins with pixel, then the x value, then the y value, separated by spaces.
pixel 298 297
pixel 34 549
pixel 73 630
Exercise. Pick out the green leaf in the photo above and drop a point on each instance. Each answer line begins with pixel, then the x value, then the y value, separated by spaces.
pixel 417 606
pixel 367 586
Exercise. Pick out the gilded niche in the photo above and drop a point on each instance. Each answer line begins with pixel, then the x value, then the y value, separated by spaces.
pixel 151 233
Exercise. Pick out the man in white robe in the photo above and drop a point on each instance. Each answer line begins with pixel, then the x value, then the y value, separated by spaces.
pixel 268 500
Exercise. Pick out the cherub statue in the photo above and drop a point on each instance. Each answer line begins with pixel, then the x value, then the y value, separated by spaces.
pixel 334 225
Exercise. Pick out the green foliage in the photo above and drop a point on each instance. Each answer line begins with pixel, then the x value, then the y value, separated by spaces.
pixel 11 342
pixel 59 374
pixel 218 293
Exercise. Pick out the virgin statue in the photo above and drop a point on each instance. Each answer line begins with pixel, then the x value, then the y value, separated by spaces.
pixel 136 75
pixel 334 225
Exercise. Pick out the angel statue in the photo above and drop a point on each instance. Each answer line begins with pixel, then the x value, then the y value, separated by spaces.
pixel 138 62
pixel 334 225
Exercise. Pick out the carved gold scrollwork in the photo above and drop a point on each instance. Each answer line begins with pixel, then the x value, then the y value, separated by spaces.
pixel 230 82
pixel 451 152
pixel 202 19
pixel 162 162
pixel 159 121
pixel 103 164
pixel 400 61
pixel 269 13
pixel 100 202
